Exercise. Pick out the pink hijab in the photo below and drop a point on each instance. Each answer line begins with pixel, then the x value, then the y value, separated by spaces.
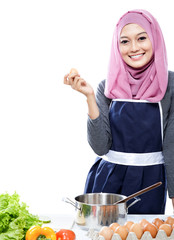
pixel 146 83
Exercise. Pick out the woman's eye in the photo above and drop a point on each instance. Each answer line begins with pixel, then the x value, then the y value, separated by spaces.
pixel 124 41
pixel 142 38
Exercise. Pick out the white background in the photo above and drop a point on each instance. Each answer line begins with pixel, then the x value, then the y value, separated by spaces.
pixel 44 154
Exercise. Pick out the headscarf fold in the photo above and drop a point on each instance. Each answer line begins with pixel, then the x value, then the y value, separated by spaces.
pixel 146 83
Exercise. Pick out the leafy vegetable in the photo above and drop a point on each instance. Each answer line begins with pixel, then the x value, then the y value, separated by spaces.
pixel 15 218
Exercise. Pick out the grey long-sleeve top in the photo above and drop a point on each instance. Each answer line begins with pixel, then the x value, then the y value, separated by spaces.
pixel 99 133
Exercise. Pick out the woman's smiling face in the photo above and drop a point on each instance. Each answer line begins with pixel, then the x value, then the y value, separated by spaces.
pixel 135 46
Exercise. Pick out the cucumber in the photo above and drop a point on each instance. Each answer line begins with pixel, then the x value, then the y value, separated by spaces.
pixel 45 219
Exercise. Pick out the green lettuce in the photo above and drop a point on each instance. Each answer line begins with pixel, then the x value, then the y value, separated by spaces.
pixel 15 218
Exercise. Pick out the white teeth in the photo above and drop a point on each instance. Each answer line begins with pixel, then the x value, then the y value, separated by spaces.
pixel 136 56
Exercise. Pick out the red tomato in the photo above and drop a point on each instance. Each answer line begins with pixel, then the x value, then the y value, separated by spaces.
pixel 65 234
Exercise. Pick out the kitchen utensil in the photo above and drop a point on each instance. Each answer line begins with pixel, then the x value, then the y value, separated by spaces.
pixel 139 193
pixel 94 210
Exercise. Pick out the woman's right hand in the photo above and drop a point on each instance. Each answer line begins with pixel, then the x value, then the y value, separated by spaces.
pixel 78 84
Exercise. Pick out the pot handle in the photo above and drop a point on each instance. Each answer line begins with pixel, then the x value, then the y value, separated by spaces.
pixel 68 200
pixel 135 201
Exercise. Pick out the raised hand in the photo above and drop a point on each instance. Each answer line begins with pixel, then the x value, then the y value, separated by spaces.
pixel 77 83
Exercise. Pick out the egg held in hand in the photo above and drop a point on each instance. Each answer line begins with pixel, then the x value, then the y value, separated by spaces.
pixel 73 71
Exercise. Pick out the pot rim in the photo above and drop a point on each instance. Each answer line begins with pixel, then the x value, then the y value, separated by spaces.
pixel 100 193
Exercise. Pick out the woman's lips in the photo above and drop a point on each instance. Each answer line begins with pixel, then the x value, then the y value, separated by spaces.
pixel 137 56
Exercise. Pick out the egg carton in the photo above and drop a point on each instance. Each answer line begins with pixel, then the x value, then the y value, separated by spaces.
pixel 161 235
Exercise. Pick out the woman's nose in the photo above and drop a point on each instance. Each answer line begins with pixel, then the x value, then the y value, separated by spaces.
pixel 134 46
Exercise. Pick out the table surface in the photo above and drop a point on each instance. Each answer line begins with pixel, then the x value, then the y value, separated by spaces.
pixel 59 221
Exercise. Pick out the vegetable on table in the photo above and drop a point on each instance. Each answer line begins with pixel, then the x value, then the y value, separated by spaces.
pixel 65 234
pixel 15 218
pixel 39 233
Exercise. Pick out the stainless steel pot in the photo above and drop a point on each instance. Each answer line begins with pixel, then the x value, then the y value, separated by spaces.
pixel 95 210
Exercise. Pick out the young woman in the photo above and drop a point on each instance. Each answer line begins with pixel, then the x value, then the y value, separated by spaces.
pixel 131 118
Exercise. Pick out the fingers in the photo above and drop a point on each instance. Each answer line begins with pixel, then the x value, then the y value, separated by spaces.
pixel 78 83
pixel 69 79
pixel 66 80
pixel 73 75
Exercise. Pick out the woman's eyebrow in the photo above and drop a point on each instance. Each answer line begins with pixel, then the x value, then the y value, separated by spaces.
pixel 137 35
pixel 142 33
pixel 123 37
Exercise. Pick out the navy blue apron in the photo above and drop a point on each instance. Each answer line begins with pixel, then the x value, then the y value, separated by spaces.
pixel 135 160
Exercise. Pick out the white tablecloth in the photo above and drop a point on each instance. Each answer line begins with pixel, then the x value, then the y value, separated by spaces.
pixel 59 221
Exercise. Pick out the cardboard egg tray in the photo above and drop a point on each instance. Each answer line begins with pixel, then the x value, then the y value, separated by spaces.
pixel 161 235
